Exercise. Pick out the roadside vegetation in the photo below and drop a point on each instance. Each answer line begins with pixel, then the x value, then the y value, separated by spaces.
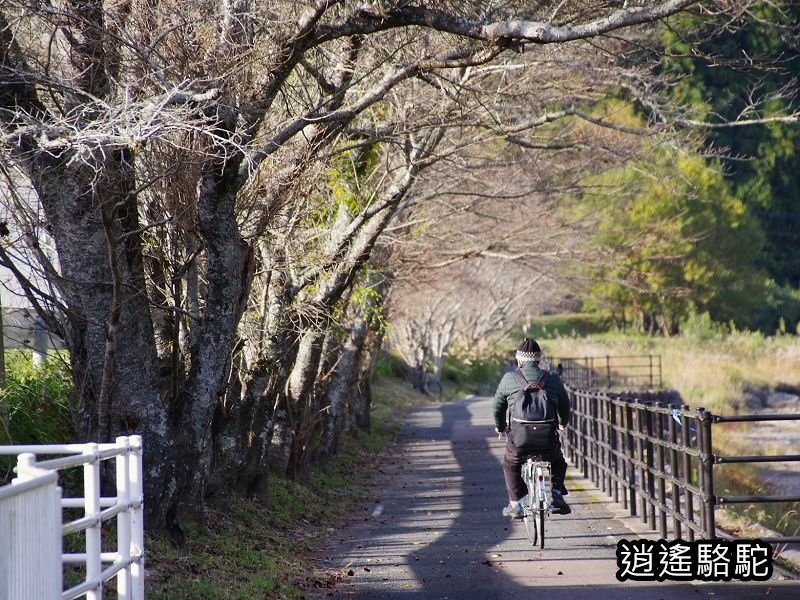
pixel 238 547
pixel 34 406
pixel 264 548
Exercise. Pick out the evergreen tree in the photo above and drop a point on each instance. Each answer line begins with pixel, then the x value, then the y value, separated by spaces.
pixel 757 77
pixel 675 238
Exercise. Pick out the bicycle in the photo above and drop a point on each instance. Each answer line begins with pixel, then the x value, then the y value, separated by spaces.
pixel 539 501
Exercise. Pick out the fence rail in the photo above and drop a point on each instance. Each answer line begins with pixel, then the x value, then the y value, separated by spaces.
pixel 658 461
pixel 21 577
pixel 629 372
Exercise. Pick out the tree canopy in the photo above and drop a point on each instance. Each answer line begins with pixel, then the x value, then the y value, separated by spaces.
pixel 752 72
pixel 674 237
pixel 210 202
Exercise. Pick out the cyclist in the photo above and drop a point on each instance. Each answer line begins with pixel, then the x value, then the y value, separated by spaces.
pixel 528 356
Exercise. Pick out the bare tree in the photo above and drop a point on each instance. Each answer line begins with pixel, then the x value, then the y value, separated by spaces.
pixel 174 153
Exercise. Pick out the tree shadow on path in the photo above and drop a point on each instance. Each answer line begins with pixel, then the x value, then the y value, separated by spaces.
pixel 435 530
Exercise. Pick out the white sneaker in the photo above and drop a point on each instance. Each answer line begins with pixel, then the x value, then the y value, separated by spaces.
pixel 514 510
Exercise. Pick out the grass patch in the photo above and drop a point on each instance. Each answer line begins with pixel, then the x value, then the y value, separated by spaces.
pixel 34 407
pixel 248 549
pixel 244 549
pixel 711 373
pixel 569 325
pixel 749 520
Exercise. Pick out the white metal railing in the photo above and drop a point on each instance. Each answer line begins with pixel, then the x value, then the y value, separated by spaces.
pixel 30 534
pixel 24 571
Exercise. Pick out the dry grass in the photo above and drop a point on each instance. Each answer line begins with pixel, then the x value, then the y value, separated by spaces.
pixel 708 373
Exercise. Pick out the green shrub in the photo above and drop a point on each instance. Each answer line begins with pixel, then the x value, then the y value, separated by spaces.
pixel 471 376
pixel 390 365
pixel 699 327
pixel 34 404
pixel 779 309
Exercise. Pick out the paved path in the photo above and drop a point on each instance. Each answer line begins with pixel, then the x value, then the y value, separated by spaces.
pixel 434 529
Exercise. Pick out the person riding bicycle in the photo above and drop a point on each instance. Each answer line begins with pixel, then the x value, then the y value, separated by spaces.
pixel 528 356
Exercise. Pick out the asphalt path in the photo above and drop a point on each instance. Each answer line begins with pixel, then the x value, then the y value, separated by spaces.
pixel 434 529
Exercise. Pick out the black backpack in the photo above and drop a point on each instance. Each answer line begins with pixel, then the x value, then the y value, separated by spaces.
pixel 534 421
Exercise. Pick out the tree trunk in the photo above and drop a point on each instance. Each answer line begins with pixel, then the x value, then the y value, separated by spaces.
pixel 303 404
pixel 214 337
pixel 419 377
pixel 361 400
pixel 345 380
pixel 70 198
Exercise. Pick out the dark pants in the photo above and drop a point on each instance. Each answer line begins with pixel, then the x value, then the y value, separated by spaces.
pixel 515 458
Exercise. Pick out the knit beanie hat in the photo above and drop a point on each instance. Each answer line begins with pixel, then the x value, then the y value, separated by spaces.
pixel 528 351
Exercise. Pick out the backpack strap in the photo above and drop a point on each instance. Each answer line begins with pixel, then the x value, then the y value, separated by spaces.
pixel 542 378
pixel 521 379
pixel 526 385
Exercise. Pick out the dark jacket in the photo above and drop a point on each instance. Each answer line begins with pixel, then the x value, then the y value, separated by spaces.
pixel 509 387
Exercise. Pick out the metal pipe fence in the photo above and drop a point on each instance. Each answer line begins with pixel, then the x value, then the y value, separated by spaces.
pixel 658 460
pixel 607 372
pixel 44 532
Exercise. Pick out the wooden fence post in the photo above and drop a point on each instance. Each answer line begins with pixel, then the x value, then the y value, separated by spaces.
pixel 688 472
pixel 673 467
pixel 707 468
pixel 630 456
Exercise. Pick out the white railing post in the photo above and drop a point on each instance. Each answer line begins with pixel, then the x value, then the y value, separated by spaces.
pixel 26 467
pixel 137 517
pixel 91 492
pixel 123 519
pixel 30 534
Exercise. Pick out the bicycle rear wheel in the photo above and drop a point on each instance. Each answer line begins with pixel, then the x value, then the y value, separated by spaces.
pixel 530 525
pixel 541 514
